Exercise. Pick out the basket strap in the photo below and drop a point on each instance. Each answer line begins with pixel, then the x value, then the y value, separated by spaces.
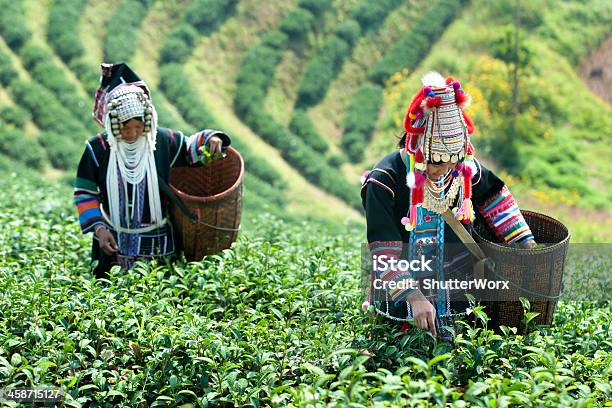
pixel 465 237
pixel 175 199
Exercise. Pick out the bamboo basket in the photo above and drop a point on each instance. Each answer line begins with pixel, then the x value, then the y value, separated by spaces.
pixel 214 194
pixel 535 274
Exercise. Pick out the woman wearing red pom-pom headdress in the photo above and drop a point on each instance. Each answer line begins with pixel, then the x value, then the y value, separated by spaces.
pixel 405 196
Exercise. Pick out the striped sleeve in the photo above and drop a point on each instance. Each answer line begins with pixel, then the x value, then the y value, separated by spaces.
pixel 184 151
pixel 86 192
pixel 503 216
pixel 399 283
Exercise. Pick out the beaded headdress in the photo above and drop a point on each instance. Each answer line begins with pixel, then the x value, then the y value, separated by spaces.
pixel 121 96
pixel 438 130
pixel 126 102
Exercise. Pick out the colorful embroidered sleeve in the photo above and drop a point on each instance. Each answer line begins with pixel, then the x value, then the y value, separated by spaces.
pixel 384 238
pixel 504 217
pixel 195 141
pixel 184 150
pixel 86 192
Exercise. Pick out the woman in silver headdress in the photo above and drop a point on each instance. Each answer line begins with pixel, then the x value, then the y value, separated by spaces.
pixel 117 188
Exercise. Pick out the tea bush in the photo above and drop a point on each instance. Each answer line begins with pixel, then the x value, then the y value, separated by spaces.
pixel 256 72
pixel 297 24
pixel 13 143
pixel 206 15
pixel 360 120
pixel 62 32
pixel 274 320
pixel 122 29
pixel 412 47
pixel 13 27
pixel 302 126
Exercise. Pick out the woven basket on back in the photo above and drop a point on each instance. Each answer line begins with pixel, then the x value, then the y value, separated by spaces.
pixel 214 194
pixel 535 274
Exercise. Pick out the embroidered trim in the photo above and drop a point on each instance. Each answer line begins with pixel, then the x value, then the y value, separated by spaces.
pixel 381 184
pixel 503 216
pixel 385 172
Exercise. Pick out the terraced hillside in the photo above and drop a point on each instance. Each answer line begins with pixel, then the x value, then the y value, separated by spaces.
pixel 313 91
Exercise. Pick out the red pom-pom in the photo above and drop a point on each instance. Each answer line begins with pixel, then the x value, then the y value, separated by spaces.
pixel 449 80
pixel 470 150
pixel 418 156
pixel 461 98
pixel 433 102
pixel 467 172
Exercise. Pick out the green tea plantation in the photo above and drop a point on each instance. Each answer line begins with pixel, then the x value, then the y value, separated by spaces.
pixel 273 321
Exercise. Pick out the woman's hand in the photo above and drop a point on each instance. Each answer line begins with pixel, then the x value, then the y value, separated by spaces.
pixel 423 312
pixel 215 144
pixel 106 241
pixel 529 244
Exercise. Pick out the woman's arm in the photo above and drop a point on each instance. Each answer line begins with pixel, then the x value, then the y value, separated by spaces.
pixel 185 151
pixel 495 203
pixel 86 193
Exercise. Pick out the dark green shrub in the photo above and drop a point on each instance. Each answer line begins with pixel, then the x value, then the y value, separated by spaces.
pixel 178 44
pixel 46 112
pixel 321 71
pixel 7 71
pixel 302 126
pixel 32 55
pixel 336 160
pixel 13 143
pixel 360 120
pixel 272 195
pixel 206 15
pixel 89 75
pixel 297 24
pixel 62 30
pixel 412 47
pixel 349 31
pixel 177 87
pixel 257 71
pixel 42 69
pixel 63 153
pixel 316 7
pixel 122 31
pixel 14 115
pixel 13 26
pixel 353 145
pixel 371 14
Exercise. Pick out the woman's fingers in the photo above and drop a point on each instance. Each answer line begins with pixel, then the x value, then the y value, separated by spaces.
pixel 431 322
pixel 113 244
pixel 215 144
pixel 108 244
pixel 427 321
